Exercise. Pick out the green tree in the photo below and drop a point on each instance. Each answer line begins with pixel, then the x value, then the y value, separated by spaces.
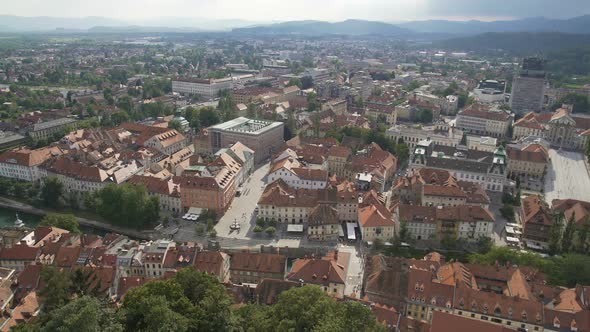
pixel 294 82
pixel 56 292
pixel 570 270
pixel 507 211
pixel 555 234
pixel 306 82
pixel 583 236
pixel 270 231
pixel 404 233
pixel 125 103
pixel 119 117
pixel 251 111
pixel 208 117
pixel 51 192
pixel 64 221
pixel 227 107
pixel 484 244
pixel 580 102
pixel 568 235
pixel 128 205
pixel 402 151
pixel 313 103
pixel 424 116
pixel 175 124
pixel 200 229
pixel 143 310
pixel 308 308
pixel 85 314
pixel 414 85
pixel 209 297
pixel 258 229
pixel 190 301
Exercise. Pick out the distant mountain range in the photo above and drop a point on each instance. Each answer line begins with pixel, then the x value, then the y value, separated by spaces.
pixel 8 23
pixel 580 24
pixel 516 42
pixel 348 27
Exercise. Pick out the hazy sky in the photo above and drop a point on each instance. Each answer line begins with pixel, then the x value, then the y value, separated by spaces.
pixel 281 10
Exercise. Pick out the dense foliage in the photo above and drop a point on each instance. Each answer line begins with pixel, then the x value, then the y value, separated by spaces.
pixel 307 309
pixel 566 270
pixel 128 205
pixel 68 222
pixel 189 301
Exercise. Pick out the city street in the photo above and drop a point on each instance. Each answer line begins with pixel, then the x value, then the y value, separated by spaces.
pixel 354 275
pixel 566 177
pixel 242 208
pixel 495 205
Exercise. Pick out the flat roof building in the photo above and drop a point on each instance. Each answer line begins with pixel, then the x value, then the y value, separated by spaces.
pixel 264 137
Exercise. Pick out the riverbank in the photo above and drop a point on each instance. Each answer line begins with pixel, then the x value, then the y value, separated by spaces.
pixel 24 207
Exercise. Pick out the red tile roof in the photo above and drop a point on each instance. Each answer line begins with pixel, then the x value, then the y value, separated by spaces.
pixel 257 262
pixel 19 252
pixel 445 322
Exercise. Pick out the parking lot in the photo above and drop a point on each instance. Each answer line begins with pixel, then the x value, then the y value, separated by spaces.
pixel 566 177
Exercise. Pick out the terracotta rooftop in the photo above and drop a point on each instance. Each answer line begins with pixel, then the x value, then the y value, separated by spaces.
pixel 375 216
pixel 257 262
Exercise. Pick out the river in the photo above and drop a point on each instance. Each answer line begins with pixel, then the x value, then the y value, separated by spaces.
pixel 8 216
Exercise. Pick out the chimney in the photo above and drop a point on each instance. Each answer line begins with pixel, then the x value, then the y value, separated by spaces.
pixel 336 255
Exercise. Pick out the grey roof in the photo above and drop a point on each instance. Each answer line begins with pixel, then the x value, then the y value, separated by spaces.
pixel 247 126
pixel 11 138
pixel 469 154
pixel 53 123
pixel 458 164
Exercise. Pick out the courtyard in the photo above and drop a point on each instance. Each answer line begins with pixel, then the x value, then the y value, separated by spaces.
pixel 567 177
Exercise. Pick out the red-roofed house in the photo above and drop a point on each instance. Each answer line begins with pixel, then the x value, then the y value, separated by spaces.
pixel 328 272
pixel 376 222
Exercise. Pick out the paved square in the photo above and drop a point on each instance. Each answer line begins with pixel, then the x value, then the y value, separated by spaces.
pixel 566 177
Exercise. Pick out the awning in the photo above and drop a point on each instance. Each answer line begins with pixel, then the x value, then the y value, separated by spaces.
pixel 512 239
pixel 351 235
pixel 295 228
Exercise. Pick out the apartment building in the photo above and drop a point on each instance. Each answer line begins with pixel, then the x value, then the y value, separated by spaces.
pixel 210 186
pixel 164 140
pixel 323 223
pixel 24 164
pixel 252 268
pixel 329 272
pixel 437 222
pixel 487 169
pixel 447 104
pixel 560 129
pixel 531 160
pixel 283 203
pixel 338 157
pixel 298 177
pixel 206 88
pixel 480 120
pixel 45 130
pixel 264 95
pixel 167 191
pixel 528 87
pixel 439 133
pixel 376 222
pixel 536 218
pixel 214 263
